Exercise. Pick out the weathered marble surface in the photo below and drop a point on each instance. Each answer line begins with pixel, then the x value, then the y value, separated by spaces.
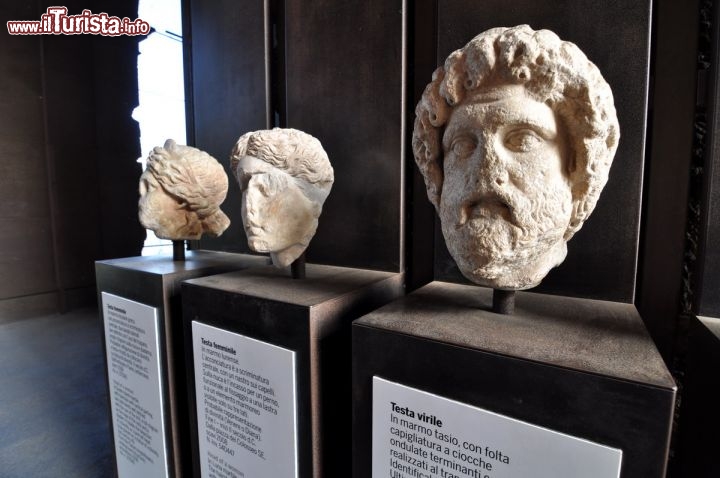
pixel 285 177
pixel 514 136
pixel 180 193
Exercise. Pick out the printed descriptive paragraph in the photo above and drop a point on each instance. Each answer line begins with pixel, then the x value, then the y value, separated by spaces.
pixel 134 379
pixel 420 448
pixel 418 434
pixel 133 428
pixel 245 405
pixel 233 399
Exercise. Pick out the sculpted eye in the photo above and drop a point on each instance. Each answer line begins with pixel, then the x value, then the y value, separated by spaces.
pixel 243 178
pixel 523 140
pixel 463 146
pixel 146 186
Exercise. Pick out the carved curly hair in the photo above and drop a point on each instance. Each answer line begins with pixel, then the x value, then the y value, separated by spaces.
pixel 183 172
pixel 553 72
pixel 299 154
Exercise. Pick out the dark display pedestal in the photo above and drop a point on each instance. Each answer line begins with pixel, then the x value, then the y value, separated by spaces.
pixel 699 428
pixel 307 319
pixel 579 367
pixel 153 282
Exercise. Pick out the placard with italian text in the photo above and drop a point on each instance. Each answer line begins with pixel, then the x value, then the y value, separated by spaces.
pixel 417 434
pixel 246 405
pixel 132 345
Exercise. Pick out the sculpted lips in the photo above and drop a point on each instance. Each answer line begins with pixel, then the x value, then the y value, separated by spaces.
pixel 253 229
pixel 487 206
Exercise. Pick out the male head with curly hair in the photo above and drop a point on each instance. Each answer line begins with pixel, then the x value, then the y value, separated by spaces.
pixel 514 136
pixel 180 193
pixel 285 176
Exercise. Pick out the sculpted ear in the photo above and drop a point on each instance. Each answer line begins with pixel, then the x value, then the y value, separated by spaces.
pixel 579 213
pixel 428 155
pixel 433 182
pixel 586 189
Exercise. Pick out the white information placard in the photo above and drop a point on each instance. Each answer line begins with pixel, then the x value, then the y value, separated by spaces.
pixel 132 345
pixel 422 435
pixel 246 405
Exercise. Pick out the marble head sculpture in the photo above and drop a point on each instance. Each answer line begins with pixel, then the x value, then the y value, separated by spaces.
pixel 285 176
pixel 180 193
pixel 514 137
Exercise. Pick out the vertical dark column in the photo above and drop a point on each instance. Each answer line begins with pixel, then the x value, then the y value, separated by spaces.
pixel 229 89
pixel 420 214
pixel 345 86
pixel 667 175
pixel 707 292
pixel 697 337
pixel 276 67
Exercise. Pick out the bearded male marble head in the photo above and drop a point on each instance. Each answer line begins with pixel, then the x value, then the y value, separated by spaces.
pixel 285 177
pixel 180 193
pixel 514 137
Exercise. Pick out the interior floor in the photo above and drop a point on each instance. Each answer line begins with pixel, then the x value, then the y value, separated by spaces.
pixel 53 398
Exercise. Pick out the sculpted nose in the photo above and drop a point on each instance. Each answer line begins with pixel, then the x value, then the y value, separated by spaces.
pixel 488 167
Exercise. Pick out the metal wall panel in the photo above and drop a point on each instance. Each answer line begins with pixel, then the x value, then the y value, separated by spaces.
pixel 708 293
pixel 228 90
pixel 344 74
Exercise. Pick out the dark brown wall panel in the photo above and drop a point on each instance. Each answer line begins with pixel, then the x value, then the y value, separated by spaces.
pixel 59 97
pixel 228 75
pixel 601 261
pixel 70 107
pixel 26 261
pixel 345 87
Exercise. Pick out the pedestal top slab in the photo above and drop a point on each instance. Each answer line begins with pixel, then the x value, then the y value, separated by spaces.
pixel 591 336
pixel 322 283
pixel 163 264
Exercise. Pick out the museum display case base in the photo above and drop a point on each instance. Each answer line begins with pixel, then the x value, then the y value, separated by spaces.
pixel 442 386
pixel 140 305
pixel 269 367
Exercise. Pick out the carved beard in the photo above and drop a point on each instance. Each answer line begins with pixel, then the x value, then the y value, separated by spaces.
pixel 515 249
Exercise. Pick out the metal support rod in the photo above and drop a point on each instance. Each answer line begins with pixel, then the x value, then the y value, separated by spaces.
pixel 178 250
pixel 297 268
pixel 503 301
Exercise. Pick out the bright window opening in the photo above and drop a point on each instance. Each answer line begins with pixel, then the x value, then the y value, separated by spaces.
pixel 161 110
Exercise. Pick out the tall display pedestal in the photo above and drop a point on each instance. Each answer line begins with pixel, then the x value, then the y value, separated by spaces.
pixel 564 387
pixel 143 340
pixel 699 428
pixel 269 375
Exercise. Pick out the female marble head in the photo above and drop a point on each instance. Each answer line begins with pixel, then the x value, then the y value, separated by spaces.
pixel 285 177
pixel 180 193
pixel 514 136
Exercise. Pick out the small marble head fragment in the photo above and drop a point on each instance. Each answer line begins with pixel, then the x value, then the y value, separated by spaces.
pixel 180 193
pixel 514 136
pixel 285 177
